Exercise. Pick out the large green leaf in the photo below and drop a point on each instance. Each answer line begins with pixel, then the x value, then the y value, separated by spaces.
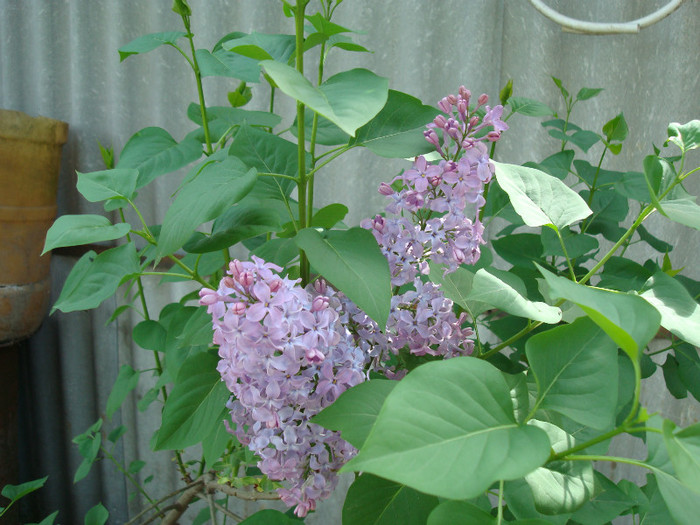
pixel 521 503
pixel 352 261
pixel 448 429
pixel 97 515
pixel 349 99
pixel 245 220
pixel 229 116
pixel 576 368
pixel 146 43
pixel 540 199
pixel 683 448
pixel 459 513
pixel 222 63
pixel 684 211
pixel 108 184
pixel 562 486
pixel 689 368
pixel 15 492
pixel 376 501
pixel 487 289
pixel 269 517
pixel 356 410
pixel 628 319
pixel 154 152
pixel 218 186
pixel 94 278
pixel 397 130
pixel 268 154
pixel 71 230
pixel 607 503
pixel 680 313
pixel 327 133
pixel 557 165
pixel 685 136
pixel 683 502
pixel 263 46
pixel 196 404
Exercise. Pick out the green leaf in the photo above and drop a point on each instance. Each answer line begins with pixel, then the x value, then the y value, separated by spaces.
pixel 633 186
pixel 680 313
pixel 577 244
pixel 685 136
pixel 376 501
pixel 349 99
pixel 115 434
pixel 15 492
pixel 269 517
pixel 146 43
pixel 327 133
pixel 196 404
pixel 94 278
pixel 657 173
pixel 214 445
pixel 683 502
pixel 521 504
pixel 628 319
pixel 72 230
pixel 154 152
pixel 448 429
pixel 263 46
pixel 562 486
pixel 355 411
pixel 607 503
pixel 127 379
pixel 657 244
pixel 218 186
pixel 584 139
pixel 623 274
pixel 97 515
pixel 89 446
pixel 352 262
pixel 459 513
pixel 576 368
pixel 325 26
pixel 109 184
pixel 540 199
pixel 586 93
pixel 560 85
pixel 48 520
pixel 520 249
pixel 557 165
pixel 222 63
pixel 230 117
pixel 529 107
pixel 329 216
pixel 616 129
pixel 150 335
pixel 689 368
pixel 684 211
pixel 683 448
pixel 486 290
pixel 240 222
pixel 268 154
pixel 277 251
pixel 397 130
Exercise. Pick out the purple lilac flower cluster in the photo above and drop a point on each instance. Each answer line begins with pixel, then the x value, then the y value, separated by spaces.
pixel 285 356
pixel 288 352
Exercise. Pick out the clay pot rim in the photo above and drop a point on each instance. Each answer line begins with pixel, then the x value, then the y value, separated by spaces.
pixel 16 125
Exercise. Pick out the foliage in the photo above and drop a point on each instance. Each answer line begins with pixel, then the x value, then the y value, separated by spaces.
pixel 436 377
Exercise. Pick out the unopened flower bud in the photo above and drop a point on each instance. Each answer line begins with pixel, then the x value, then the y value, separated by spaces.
pixel 386 189
pixel 435 180
pixel 228 282
pixel 452 99
pixel 207 296
pixel 319 303
pixel 444 105
pixel 473 121
pixel 465 94
pixel 320 286
pixel 238 308
pixel 483 99
pixel 235 267
pixel 440 121
pixel 313 355
pixel 246 279
pixel 275 285
pixel 493 136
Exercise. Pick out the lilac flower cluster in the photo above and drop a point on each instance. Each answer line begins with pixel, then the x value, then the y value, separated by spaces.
pixel 285 355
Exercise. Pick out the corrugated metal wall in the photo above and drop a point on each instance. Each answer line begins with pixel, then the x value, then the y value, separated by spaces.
pixel 58 58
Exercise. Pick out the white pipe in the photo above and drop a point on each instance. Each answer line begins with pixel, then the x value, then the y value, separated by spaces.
pixel 605 28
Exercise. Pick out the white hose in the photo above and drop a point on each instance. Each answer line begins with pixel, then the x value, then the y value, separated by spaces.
pixel 605 28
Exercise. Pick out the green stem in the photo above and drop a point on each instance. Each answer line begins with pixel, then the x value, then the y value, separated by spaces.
pixel 595 177
pixel 566 255
pixel 499 516
pixel 128 476
pixel 198 78
pixel 614 459
pixel 301 150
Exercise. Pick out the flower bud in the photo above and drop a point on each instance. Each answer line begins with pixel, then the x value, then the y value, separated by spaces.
pixel 473 121
pixel 483 99
pixel 440 121
pixel 207 297
pixel 452 100
pixel 385 189
pixel 444 105
pixel 313 355
pixel 320 286
pixel 493 136
pixel 275 285
pixel 238 308
pixel 235 267
pixel 319 303
pixel 246 279
pixel 228 282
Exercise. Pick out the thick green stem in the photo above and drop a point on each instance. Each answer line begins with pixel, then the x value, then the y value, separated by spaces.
pixel 302 180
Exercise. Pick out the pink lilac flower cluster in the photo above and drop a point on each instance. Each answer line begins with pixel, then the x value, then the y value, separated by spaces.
pixel 285 355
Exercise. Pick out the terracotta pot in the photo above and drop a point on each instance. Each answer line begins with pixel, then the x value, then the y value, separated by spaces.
pixel 30 158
